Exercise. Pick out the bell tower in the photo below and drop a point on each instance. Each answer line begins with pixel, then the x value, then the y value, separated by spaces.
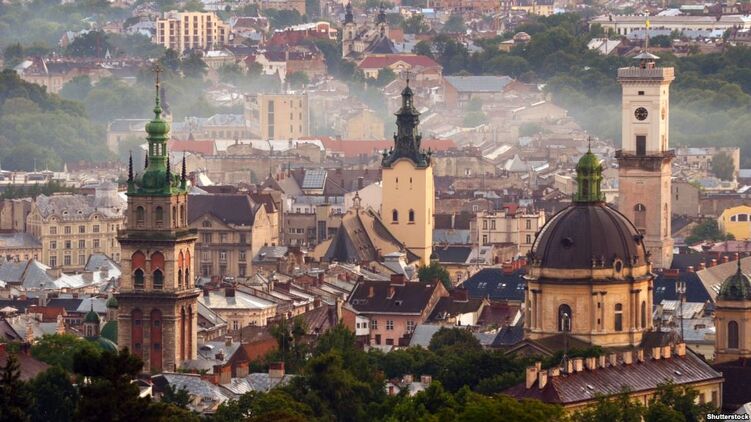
pixel 408 189
pixel 157 316
pixel 349 31
pixel 644 158
pixel 732 312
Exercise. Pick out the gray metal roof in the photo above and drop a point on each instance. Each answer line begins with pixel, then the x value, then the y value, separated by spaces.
pixel 478 83
pixel 19 240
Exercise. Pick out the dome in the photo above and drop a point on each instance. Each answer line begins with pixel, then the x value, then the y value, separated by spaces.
pixel 92 317
pixel 112 303
pixel 109 331
pixel 736 287
pixel 104 344
pixel 587 235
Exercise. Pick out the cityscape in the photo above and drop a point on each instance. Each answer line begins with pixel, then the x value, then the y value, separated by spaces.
pixel 324 210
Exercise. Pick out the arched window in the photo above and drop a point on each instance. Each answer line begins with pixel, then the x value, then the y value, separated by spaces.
pixel 395 216
pixel 159 215
pixel 158 279
pixel 206 223
pixel 187 278
pixel 139 215
pixel 732 335
pixel 179 279
pixel 618 317
pixel 585 187
pixel 411 216
pixel 174 216
pixel 138 279
pixel 640 216
pixel 643 314
pixel 565 318
pixel 182 214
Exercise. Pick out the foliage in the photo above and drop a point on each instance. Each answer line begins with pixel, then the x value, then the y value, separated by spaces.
pixel 423 48
pixel 280 19
pixel 663 41
pixel 619 408
pixel 432 272
pixel 297 79
pixel 12 191
pixel 415 25
pixel 722 166
pixel 529 128
pixel 193 66
pixel 77 88
pixel 178 397
pixel 474 119
pixel 454 24
pixel 260 404
pixel 60 349
pixel 14 398
pixel 54 397
pixel 707 230
pixel 454 338
pixel 13 55
pixel 90 44
pixel 291 349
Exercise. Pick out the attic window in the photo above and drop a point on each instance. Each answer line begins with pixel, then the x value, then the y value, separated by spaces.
pixel 641 92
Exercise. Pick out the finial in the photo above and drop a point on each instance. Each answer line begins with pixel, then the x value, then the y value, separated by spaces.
pixel 589 143
pixel 146 162
pixel 157 108
pixel 130 167
pixel 183 176
pixel 168 174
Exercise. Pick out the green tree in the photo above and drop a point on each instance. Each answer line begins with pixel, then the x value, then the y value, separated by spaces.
pixel 266 406
pixel 723 166
pixel 434 272
pixel 706 230
pixel 60 349
pixel 170 61
pixel 279 19
pixel 474 119
pixel 13 55
pixel 14 396
pixel 454 24
pixel 179 397
pixel 619 408
pixel 454 338
pixel 77 88
pixel 684 400
pixel 193 66
pixel 529 129
pixel 663 41
pixel 297 79
pixel 90 44
pixel 292 350
pixel 415 25
pixel 54 397
pixel 423 48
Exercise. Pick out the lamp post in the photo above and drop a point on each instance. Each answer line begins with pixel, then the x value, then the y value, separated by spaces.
pixel 680 289
pixel 565 326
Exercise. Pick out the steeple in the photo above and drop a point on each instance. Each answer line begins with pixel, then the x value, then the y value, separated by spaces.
pixel 736 287
pixel 130 169
pixel 348 16
pixel 588 179
pixel 183 175
pixel 407 139
pixel 381 18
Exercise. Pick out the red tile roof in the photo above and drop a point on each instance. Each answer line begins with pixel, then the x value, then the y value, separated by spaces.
pixel 384 60
pixel 354 148
pixel 205 147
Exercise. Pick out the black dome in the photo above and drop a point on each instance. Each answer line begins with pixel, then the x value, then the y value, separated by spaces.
pixel 581 233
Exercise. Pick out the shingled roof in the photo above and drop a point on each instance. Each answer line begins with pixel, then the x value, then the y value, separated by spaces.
pixel 387 297
pixel 237 210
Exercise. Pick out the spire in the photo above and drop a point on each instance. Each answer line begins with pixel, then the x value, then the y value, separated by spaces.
pixel 184 174
pixel 407 139
pixel 168 173
pixel 588 179
pixel 381 18
pixel 130 168
pixel 348 16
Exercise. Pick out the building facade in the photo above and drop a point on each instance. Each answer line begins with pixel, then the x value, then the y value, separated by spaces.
pixel 519 227
pixel 158 308
pixel 183 31
pixel 732 311
pixel 735 221
pixel 644 158
pixel 278 116
pixel 408 188
pixel 72 227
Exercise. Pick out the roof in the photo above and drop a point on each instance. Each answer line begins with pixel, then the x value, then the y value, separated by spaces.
pixel 423 334
pixel 478 83
pixel 508 336
pixel 380 61
pixel 260 381
pixel 736 389
pixel 219 300
pixel 238 210
pixel 371 297
pixel 196 147
pixel 29 367
pixel 638 376
pixel 75 207
pixel 495 284
pixel 664 288
pixel 449 306
pixel 453 254
pixel 193 383
pixel 356 148
pixel 18 241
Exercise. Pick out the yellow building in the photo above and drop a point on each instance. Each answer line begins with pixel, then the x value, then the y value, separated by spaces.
pixel 278 116
pixel 72 227
pixel 408 189
pixel 364 125
pixel 534 7
pixel 182 31
pixel 518 227
pixel 736 221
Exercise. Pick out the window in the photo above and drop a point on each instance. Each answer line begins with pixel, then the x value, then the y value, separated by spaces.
pixel 158 279
pixel 241 270
pixel 485 239
pixel 66 260
pixel 644 314
pixel 243 239
pixel 528 239
pixel 528 224
pixel 410 326
pixel 411 216
pixel 223 269
pixel 373 324
pixel 618 323
pixel 641 145
pixel 82 260
pixel 223 237
pixel 564 318
pixel 96 243
pixel 66 229
pixel 138 279
pixel 53 244
pixel 67 244
pixel 53 230
pixel 206 223
pixel 732 335
pixel 640 216
pixel 242 256
pixel 95 229
pixel 206 238
pixel 139 215
pixel 206 270
pixel 389 325
pixel 82 229
pixel 159 215
pixel 484 224
pixel 235 325
pixel 81 244
pixel 395 216
pixel 223 256
pixel 742 217
pixel 53 261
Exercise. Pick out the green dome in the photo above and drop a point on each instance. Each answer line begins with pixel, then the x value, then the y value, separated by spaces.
pixel 112 303
pixel 92 317
pixel 109 331
pixel 589 164
pixel 736 287
pixel 588 179
pixel 104 344
pixel 157 128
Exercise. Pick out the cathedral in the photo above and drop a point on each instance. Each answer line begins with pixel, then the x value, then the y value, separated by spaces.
pixel 371 38
pixel 157 317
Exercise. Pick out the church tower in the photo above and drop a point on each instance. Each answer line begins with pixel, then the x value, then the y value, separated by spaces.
pixel 408 189
pixel 157 317
pixel 349 31
pixel 732 313
pixel 381 23
pixel 644 158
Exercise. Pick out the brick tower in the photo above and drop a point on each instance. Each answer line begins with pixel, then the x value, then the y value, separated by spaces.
pixel 157 317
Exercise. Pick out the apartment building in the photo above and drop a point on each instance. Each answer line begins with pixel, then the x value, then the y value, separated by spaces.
pixel 278 116
pixel 510 225
pixel 182 31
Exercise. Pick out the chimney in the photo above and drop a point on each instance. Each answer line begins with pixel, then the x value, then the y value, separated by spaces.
pixel 613 359
pixel 628 357
pixel 276 370
pixel 219 355
pixel 680 349
pixel 228 340
pixel 725 259
pixel 320 278
pixel 408 378
pixel 392 292
pixel 690 268
pixel 391 391
pixel 229 292
pixel 656 353
pixel 223 374
pixel 542 379
pixel 578 364
pixel 399 279
pixel 205 292
pixel 713 262
pixel 242 370
pixel 538 365
pixel 426 380
pixel 531 376
pixel 591 363
pixel 555 371
pixel 702 266
pixel 339 304
pixel 569 366
pixel 360 182
pixel 666 352
pixel 601 361
pixel 640 355
pixel 371 292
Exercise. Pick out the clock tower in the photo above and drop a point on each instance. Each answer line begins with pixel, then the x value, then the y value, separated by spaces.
pixel 644 158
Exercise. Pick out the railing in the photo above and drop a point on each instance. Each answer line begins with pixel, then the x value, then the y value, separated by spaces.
pixel 641 73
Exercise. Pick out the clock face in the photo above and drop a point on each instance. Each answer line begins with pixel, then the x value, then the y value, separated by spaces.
pixel 641 113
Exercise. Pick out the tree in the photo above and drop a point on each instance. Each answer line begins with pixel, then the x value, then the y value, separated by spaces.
pixel 170 61
pixel 455 338
pixel 14 397
pixel 178 397
pixel 529 129
pixel 423 48
pixel 297 79
pixel 454 24
pixel 13 55
pixel 60 349
pixel 663 41
pixel 707 230
pixel 723 166
pixel 193 66
pixel 474 119
pixel 265 406
pixel 415 25
pixel 90 44
pixel 279 19
pixel 54 396
pixel 77 88
pixel 619 408
pixel 683 400
pixel 291 349
pixel 434 272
